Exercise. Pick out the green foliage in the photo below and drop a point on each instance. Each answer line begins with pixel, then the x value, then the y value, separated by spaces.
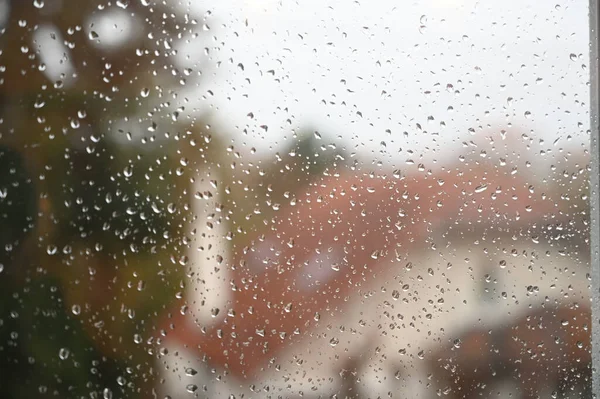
pixel 44 351
pixel 111 216
pixel 17 202
pixel 111 198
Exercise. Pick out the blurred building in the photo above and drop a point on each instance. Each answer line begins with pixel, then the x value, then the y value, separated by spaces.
pixel 350 288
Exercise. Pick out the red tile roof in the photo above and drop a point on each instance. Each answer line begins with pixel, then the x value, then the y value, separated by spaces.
pixel 333 240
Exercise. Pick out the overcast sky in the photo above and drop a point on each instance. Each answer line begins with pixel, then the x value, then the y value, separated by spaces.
pixel 383 78
pixel 368 74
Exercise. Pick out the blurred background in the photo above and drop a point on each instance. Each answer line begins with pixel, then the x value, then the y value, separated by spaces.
pixel 148 148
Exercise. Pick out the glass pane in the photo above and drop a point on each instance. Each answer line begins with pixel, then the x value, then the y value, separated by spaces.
pixel 267 199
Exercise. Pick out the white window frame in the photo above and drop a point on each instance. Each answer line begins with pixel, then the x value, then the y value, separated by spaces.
pixel 594 187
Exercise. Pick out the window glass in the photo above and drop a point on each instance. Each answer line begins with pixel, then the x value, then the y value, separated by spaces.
pixel 269 199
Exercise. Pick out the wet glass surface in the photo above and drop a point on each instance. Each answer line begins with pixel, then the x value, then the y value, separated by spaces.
pixel 265 199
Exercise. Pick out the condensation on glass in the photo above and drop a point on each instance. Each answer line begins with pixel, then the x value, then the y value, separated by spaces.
pixel 268 199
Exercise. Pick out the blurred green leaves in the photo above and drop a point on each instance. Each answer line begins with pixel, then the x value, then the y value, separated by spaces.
pixel 17 203
pixel 98 177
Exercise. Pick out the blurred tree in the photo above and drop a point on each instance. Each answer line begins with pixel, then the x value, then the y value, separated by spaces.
pixel 18 205
pixel 37 336
pixel 304 158
pixel 307 156
pixel 89 95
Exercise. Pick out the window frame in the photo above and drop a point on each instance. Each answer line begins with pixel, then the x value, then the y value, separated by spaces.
pixel 594 189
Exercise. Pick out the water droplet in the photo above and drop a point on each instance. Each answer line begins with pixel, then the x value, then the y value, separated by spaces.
pixel 63 353
pixel 191 388
pixel 481 188
pixel 51 249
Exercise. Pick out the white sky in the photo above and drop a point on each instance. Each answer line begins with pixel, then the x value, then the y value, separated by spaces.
pixel 367 75
pixel 333 59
